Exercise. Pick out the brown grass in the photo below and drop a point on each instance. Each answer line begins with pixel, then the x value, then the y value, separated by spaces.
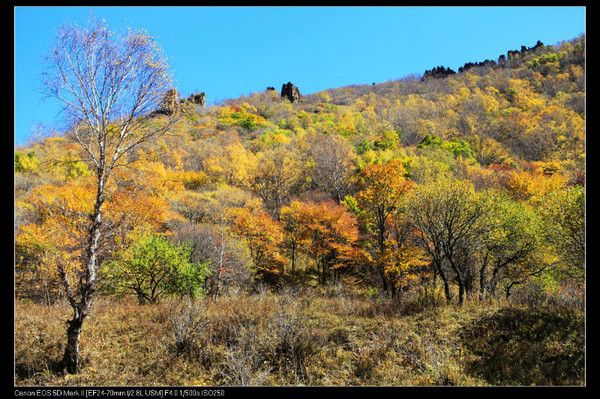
pixel 264 339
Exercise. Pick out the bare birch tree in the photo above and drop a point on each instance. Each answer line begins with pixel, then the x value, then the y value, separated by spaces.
pixel 108 84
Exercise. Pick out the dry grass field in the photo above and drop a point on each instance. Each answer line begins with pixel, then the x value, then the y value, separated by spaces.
pixel 326 338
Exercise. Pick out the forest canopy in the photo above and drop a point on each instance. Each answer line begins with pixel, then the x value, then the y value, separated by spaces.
pixel 342 183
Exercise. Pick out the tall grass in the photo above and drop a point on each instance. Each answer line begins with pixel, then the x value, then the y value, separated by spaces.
pixel 304 338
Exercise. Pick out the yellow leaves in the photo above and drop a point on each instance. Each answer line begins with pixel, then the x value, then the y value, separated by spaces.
pixel 281 138
pixel 154 177
pixel 404 264
pixel 177 156
pixel 489 103
pixel 360 104
pixel 213 165
pixel 345 122
pixel 322 229
pixel 325 96
pixel 276 137
pixel 414 102
pixel 263 236
pixel 426 126
pixel 244 115
pixel 562 121
pixel 471 79
pixel 56 236
pixel 577 72
pixel 62 216
pixel 547 168
pixel 532 186
pixel 383 184
pixel 521 93
pixel 132 208
pixel 550 132
pixel 36 236
pixel 206 124
pixel 55 140
pixel 74 197
pixel 463 93
pixel 56 157
pixel 492 91
pixel 26 162
pixel 233 164
pixel 192 180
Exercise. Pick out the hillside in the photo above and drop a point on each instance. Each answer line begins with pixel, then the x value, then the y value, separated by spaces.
pixel 390 203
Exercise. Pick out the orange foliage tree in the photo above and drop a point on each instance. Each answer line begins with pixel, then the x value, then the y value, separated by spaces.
pixel 263 236
pixel 404 263
pixel 52 243
pixel 381 189
pixel 327 231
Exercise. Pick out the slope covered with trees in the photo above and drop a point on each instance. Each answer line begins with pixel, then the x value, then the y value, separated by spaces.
pixel 456 188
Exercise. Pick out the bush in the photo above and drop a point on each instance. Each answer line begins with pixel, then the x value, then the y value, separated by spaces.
pixel 243 363
pixel 153 265
pixel 188 323
pixel 517 346
pixel 291 343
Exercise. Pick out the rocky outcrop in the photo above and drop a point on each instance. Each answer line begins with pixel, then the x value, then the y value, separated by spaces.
pixel 269 89
pixel 196 98
pixel 512 54
pixel 441 72
pixel 438 73
pixel 169 105
pixel 538 44
pixel 291 92
pixel 172 104
pixel 469 65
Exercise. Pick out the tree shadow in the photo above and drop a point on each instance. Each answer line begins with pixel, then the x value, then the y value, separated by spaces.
pixel 518 346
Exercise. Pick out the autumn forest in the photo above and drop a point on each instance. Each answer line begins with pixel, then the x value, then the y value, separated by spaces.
pixel 422 231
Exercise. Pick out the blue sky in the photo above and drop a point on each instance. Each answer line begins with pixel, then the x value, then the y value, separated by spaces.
pixel 232 51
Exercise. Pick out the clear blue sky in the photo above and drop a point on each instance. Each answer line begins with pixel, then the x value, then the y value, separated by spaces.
pixel 232 51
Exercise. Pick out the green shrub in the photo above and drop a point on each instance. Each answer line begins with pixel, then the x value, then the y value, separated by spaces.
pixel 152 266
